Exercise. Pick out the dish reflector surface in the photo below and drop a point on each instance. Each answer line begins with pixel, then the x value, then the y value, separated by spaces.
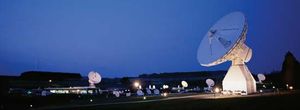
pixel 221 38
pixel 184 84
pixel 94 77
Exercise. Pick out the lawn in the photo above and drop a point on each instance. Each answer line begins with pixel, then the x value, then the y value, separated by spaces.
pixel 273 102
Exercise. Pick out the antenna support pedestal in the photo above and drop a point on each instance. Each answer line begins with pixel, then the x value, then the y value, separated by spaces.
pixel 92 85
pixel 239 78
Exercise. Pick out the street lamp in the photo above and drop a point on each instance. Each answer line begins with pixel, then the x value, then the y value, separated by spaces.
pixel 165 94
pixel 217 90
pixel 136 84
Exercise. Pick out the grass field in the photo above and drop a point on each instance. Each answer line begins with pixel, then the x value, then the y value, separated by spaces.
pixel 289 101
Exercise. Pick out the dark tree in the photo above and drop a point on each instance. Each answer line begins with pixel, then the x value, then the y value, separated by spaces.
pixel 125 81
pixel 291 70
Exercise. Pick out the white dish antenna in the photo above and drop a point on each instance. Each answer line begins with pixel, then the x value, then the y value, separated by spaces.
pixel 116 93
pixel 225 42
pixel 156 91
pixel 148 91
pixel 210 82
pixel 139 92
pixel 184 84
pixel 261 77
pixel 94 78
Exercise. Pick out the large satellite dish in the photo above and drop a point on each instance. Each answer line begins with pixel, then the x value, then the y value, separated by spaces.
pixel 94 78
pixel 222 38
pixel 225 42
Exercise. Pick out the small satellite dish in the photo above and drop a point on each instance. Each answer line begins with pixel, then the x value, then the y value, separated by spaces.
pixel 156 91
pixel 210 82
pixel 148 91
pixel 139 92
pixel 116 93
pixel 128 94
pixel 261 77
pixel 94 78
pixel 184 84
pixel 223 42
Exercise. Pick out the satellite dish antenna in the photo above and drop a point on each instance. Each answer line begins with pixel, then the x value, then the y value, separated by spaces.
pixel 94 78
pixel 156 91
pixel 210 83
pixel 148 91
pixel 116 93
pixel 184 84
pixel 139 92
pixel 261 77
pixel 225 42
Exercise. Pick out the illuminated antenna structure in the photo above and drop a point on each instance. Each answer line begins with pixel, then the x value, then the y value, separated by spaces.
pixel 94 78
pixel 210 83
pixel 225 42
pixel 184 84
pixel 261 77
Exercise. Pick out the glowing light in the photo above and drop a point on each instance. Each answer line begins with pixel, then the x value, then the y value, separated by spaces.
pixel 30 105
pixel 184 84
pixel 29 92
pixel 217 90
pixel 165 86
pixel 91 100
pixel 291 87
pixel 50 80
pixel 136 84
pixel 144 98
pixel 165 94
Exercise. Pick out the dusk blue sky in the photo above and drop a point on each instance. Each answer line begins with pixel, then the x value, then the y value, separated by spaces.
pixel 128 37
